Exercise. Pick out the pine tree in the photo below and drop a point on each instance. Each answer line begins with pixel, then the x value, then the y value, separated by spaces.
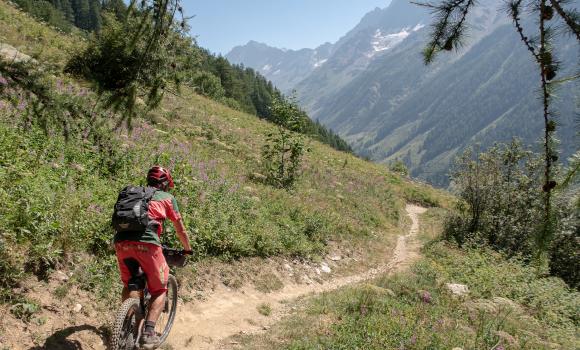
pixel 81 10
pixel 116 7
pixel 95 23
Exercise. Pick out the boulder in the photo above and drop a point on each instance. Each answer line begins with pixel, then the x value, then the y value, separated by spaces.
pixel 9 53
pixel 77 308
pixel 60 276
pixel 457 289
pixel 324 268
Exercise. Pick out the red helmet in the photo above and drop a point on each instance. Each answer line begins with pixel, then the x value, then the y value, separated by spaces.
pixel 159 175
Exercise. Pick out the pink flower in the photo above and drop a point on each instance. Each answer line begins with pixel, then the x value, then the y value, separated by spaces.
pixel 3 81
pixel 426 297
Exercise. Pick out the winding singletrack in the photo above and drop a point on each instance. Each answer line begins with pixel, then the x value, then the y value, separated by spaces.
pixel 207 324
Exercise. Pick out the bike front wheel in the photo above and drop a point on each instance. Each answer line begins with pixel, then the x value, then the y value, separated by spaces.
pixel 126 326
pixel 165 321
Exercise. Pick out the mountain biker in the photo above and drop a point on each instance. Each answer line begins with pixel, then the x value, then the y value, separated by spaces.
pixel 145 247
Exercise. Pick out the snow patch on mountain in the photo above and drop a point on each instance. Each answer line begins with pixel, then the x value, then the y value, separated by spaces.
pixel 382 42
pixel 320 63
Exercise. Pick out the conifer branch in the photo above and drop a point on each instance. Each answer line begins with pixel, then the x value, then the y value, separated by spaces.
pixel 449 27
pixel 571 19
pixel 514 11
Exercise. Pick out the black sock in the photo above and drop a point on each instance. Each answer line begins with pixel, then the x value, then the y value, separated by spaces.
pixel 149 327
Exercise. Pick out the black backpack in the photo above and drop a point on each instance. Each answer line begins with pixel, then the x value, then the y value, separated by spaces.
pixel 131 209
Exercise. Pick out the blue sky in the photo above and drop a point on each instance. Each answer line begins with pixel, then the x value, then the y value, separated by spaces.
pixel 220 25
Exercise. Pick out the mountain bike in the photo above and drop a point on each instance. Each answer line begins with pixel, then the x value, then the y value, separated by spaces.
pixel 130 319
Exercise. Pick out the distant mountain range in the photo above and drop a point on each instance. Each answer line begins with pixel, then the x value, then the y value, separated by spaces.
pixel 373 88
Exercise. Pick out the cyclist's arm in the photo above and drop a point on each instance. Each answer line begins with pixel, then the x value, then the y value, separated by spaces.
pixel 175 217
pixel 182 234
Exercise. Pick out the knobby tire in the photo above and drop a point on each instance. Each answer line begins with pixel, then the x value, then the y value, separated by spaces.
pixel 171 307
pixel 122 330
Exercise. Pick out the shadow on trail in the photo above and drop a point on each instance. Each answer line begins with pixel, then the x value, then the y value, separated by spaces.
pixel 59 341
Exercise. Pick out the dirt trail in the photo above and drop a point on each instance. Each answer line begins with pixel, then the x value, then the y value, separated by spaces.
pixel 205 325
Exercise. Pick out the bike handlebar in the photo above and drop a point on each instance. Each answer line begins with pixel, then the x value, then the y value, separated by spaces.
pixel 176 257
pixel 177 251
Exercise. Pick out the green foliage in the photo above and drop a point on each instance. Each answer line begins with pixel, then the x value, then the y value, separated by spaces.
pixel 25 309
pixel 399 167
pixel 264 309
pixel 502 207
pixel 565 248
pixel 45 11
pixel 283 151
pixel 420 196
pixel 208 85
pixel 134 59
pixel 64 14
pixel 10 273
pixel 501 204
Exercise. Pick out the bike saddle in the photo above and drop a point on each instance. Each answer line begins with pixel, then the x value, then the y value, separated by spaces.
pixel 137 281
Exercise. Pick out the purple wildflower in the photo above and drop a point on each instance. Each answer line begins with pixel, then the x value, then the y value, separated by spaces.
pixel 95 208
pixel 202 172
pixel 3 81
pixel 22 105
pixel 413 339
pixel 499 347
pixel 426 297
pixel 234 188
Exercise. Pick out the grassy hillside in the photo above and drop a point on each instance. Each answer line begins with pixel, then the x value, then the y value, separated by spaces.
pixel 507 307
pixel 58 194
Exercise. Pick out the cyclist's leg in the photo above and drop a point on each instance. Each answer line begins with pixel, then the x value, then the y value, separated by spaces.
pixel 155 267
pixel 123 252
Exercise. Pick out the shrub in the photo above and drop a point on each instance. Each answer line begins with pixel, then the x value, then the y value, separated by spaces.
pixel 9 273
pixel 565 249
pixel 208 85
pixel 399 167
pixel 283 151
pixel 501 204
pixel 502 207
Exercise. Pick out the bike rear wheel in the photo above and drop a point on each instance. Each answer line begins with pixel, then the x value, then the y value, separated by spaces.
pixel 165 321
pixel 126 326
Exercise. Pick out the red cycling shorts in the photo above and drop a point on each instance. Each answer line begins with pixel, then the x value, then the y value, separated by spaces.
pixel 151 260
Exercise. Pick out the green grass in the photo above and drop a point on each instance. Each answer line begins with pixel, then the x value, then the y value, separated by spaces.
pixel 267 283
pixel 264 309
pixel 507 306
